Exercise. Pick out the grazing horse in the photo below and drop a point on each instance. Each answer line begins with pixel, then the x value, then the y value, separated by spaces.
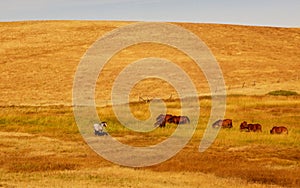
pixel 179 120
pixel 244 126
pixel 98 128
pixel 254 127
pixel 250 127
pixel 226 123
pixel 162 119
pixel 279 130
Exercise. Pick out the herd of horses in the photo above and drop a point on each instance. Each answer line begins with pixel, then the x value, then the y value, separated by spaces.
pixel 162 119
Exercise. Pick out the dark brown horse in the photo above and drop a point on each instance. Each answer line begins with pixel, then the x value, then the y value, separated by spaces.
pixel 244 126
pixel 179 120
pixel 254 127
pixel 279 130
pixel 250 127
pixel 226 123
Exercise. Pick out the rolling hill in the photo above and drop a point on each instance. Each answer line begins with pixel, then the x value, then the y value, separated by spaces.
pixel 38 60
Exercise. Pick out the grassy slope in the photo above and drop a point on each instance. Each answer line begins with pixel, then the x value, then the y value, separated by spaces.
pixel 38 59
pixel 47 141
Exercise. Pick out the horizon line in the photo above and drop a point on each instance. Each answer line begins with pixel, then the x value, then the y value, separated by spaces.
pixel 166 21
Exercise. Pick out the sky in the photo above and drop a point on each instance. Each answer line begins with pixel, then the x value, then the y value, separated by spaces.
pixel 278 13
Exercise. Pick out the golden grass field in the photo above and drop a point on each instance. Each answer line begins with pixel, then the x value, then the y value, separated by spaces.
pixel 40 143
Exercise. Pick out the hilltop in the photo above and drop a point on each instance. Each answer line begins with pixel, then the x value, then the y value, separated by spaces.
pixel 38 60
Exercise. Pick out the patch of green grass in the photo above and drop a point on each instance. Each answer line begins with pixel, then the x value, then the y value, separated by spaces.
pixel 49 121
pixel 269 111
pixel 283 93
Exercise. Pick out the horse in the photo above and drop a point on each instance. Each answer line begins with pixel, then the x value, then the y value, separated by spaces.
pixel 279 130
pixel 179 120
pixel 254 127
pixel 98 128
pixel 226 123
pixel 244 126
pixel 250 127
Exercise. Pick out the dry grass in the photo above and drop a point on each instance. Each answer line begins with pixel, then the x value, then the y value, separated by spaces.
pixel 43 56
pixel 120 177
pixel 40 143
pixel 48 145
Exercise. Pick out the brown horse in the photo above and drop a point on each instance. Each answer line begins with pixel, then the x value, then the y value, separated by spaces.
pixel 226 123
pixel 179 120
pixel 250 127
pixel 244 126
pixel 279 130
pixel 254 127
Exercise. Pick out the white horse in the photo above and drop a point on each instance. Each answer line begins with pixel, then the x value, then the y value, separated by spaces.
pixel 98 128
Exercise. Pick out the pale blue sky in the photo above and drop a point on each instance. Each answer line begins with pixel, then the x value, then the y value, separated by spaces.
pixel 282 13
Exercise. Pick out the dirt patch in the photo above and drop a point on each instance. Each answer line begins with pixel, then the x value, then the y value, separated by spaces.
pixel 241 148
pixel 16 134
